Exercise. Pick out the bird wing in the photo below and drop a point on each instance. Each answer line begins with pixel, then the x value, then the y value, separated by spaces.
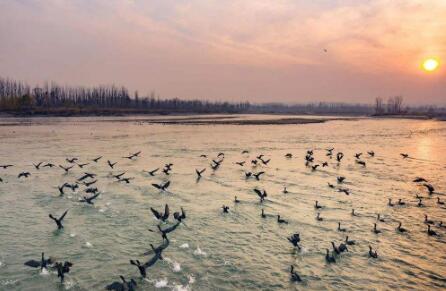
pixel 156 186
pixel 258 192
pixel 155 212
pixel 166 185
pixel 117 286
pixel 63 215
pixel 166 212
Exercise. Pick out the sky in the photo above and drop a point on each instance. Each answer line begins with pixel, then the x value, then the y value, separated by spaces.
pixel 292 51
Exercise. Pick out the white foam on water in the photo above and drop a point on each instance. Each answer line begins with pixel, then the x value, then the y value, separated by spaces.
pixel 44 272
pixel 181 288
pixel 191 279
pixel 88 245
pixel 184 246
pixel 161 283
pixel 199 252
pixel 72 235
pixel 176 267
pixel 108 203
pixel 102 210
pixel 1 264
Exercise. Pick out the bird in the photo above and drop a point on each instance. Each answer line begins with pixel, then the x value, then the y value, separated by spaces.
pixel 86 176
pixel 110 164
pixel 339 156
pixel 200 172
pixel 329 258
pixel 316 205
pixel 225 209
pixel 401 202
pixel 429 188
pixel 263 215
pixel 66 169
pixel 335 248
pixel 261 194
pixel 281 220
pixel 378 218
pixel 257 175
pixel 289 155
pixel 428 221
pixel 349 242
pixel 72 160
pixel 362 163
pixel 420 202
pixel 419 180
pixel 324 164
pixel 294 239
pixel 88 184
pixel 122 286
pixel 42 263
pixel 59 220
pixel 141 267
pixel 91 190
pixel 330 185
pixel 241 164
pixel 265 162
pixel 373 254
pixel 24 174
pixel 63 268
pixel 126 180
pixel 90 199
pixel 160 215
pixel 439 202
pixel 48 165
pixel 318 217
pixel 400 228
pixel 353 212
pixel 6 166
pixel 390 202
pixel 341 229
pixel 97 159
pixel 236 200
pixel 344 190
pixel 294 276
pixel 162 187
pixel 131 156
pixel 245 152
pixel 82 165
pixel 371 153
pixel 284 191
pixel 340 179
pixel 358 155
pixel 430 231
pixel 314 167
pixel 152 173
pixel 375 230
pixel 179 216
pixel 405 156
pixel 118 176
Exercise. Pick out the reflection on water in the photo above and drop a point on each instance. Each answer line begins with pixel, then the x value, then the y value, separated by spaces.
pixel 238 250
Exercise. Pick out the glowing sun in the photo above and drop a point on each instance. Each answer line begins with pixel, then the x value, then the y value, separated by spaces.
pixel 431 64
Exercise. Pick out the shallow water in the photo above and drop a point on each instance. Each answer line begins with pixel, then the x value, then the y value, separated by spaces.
pixel 215 251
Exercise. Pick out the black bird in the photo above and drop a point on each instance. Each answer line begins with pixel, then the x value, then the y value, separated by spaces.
pixel 245 152
pixel 420 202
pixel 221 155
pixel 167 230
pixel 162 187
pixel 82 165
pixel 89 200
pixel 110 164
pixel 159 248
pixel 358 155
pixel 24 174
pixel 294 276
pixel 428 221
pixel 88 184
pixel 349 242
pixel 343 247
pixel 371 153
pixel 152 173
pixel 439 202
pixel 131 156
pixel 341 229
pixel 378 218
pixel 62 269
pixel 294 239
pixel 400 228
pixel 257 175
pixel 241 164
pixel 48 165
pixel 289 155
pixel 141 268
pixel 419 180
pixel 353 212
pixel 339 157
pixel 373 254
pixel 314 167
pixel 248 174
pixel 168 166
pixel 340 179
pixel 254 162
pixel 329 258
pixel 390 202
pixel 203 156
pixel 261 194
pixel 429 188
pixel 263 215
pixel 72 160
pixel 330 185
pixel 166 171
pixel 316 205
pixel 236 200
pixel 225 209
pixel 6 166
pixel 344 190
pixel 335 248
pixel 318 217
pixel 122 286
pixel 61 189
pixel 126 180
pixel 401 202
pixel 160 215
pixel 91 190
pixel 284 191
pixel 375 230
pixel 430 231
pixel 324 164
pixel 66 169
pixel 86 176
pixel 59 220
pixel 179 216
pixel 118 176
pixel 200 172
pixel 265 162
pixel 97 159
pixel 280 220
pixel 43 263
pixel 404 156
pixel 362 163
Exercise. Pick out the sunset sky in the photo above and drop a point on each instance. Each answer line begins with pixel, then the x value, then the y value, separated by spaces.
pixel 260 51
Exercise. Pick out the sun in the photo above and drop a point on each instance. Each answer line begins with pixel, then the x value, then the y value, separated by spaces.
pixel 431 64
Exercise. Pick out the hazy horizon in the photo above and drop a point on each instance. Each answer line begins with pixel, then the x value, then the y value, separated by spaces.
pixel 256 51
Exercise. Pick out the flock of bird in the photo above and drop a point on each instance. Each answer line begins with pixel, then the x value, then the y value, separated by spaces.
pixel 87 180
